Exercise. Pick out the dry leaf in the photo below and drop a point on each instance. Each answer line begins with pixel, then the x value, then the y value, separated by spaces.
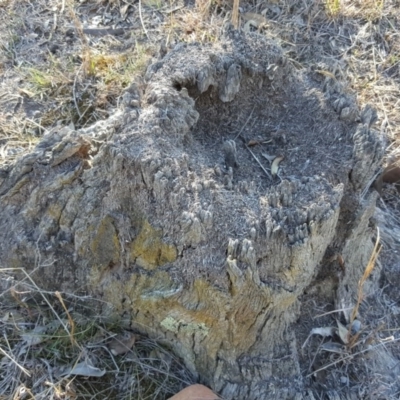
pixel 247 26
pixel 326 331
pixel 13 317
pixel 255 142
pixel 121 344
pixel 333 347
pixel 275 165
pixel 26 92
pixel 343 333
pixel 124 10
pixel 268 157
pixel 325 73
pixel 83 369
pixel 255 18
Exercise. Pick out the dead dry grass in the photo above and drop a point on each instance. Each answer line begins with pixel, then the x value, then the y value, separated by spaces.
pixel 358 354
pixel 70 61
pixel 52 348
pixel 49 56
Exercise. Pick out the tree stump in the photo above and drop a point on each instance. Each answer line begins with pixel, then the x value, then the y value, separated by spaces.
pixel 149 212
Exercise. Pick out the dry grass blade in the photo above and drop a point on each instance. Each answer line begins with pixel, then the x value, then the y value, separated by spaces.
pixel 141 20
pixel 70 320
pixel 349 357
pixel 258 162
pixel 28 277
pixel 151 371
pixel 244 125
pixel 25 371
pixel 367 272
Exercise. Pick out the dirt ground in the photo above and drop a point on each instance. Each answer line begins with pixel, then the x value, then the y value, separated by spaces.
pixel 75 62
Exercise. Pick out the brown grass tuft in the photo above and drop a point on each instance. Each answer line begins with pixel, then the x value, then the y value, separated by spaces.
pixel 367 272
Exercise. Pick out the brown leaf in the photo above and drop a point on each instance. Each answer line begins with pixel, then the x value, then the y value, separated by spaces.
pixel 325 73
pixel 121 344
pixel 391 174
pixel 256 18
pixel 255 142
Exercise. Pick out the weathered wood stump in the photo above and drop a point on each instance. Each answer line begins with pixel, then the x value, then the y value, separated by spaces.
pixel 148 212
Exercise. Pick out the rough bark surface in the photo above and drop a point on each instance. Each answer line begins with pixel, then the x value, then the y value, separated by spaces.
pixel 157 211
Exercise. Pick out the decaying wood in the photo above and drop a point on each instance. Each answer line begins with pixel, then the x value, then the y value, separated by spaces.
pixel 137 211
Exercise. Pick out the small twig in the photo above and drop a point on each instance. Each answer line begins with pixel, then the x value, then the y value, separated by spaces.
pixel 104 31
pixel 258 161
pixel 49 369
pixel 374 60
pixel 83 114
pixel 315 355
pixel 54 23
pixel 331 312
pixel 74 94
pixel 141 20
pixel 369 184
pixel 111 356
pixel 172 10
pixel 38 125
pixel 25 371
pixel 247 120
pixel 248 148
pixel 235 14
